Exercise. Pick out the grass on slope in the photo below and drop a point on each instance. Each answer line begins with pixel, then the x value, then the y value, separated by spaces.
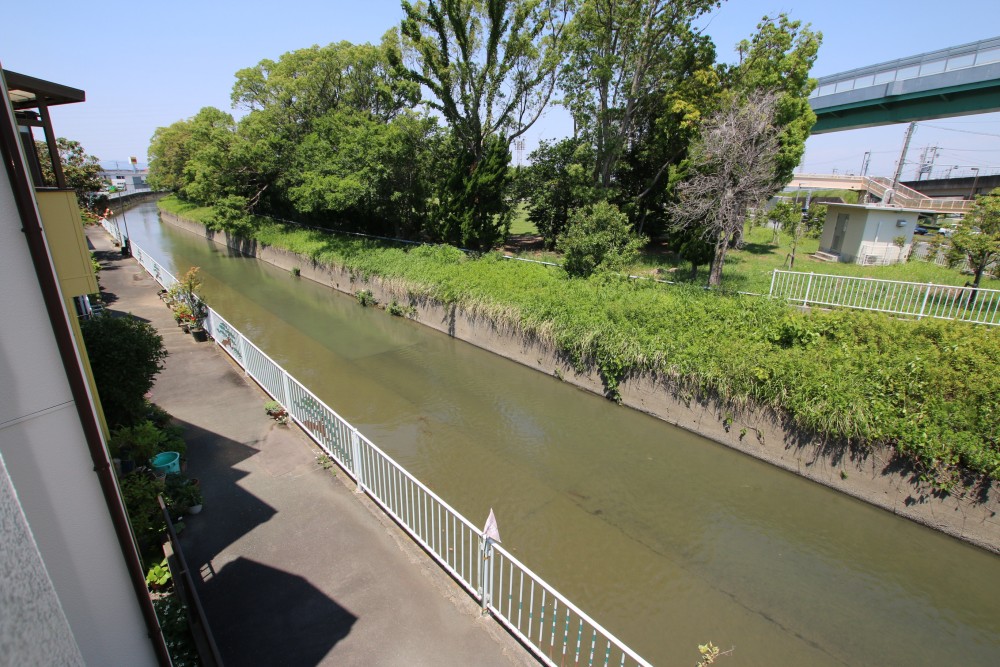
pixel 931 388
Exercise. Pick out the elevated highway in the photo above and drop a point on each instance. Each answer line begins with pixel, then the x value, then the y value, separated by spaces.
pixel 957 81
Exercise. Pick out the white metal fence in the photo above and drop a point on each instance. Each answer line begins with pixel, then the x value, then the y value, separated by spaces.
pixel 556 630
pixel 968 304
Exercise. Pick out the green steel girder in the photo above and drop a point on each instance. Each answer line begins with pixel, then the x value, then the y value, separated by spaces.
pixel 974 98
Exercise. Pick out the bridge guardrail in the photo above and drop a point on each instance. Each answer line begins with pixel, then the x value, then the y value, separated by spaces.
pixel 458 545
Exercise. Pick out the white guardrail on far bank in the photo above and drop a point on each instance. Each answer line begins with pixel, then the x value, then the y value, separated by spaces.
pixel 557 631
pixel 948 302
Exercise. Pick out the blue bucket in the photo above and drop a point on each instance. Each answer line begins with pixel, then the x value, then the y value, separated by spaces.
pixel 166 462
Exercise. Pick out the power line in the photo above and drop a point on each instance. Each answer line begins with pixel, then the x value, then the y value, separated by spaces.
pixel 953 129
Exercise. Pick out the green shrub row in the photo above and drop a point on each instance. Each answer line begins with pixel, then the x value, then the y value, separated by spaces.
pixel 928 388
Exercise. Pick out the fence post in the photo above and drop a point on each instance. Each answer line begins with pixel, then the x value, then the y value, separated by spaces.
pixel 923 304
pixel 486 572
pixel 287 395
pixel 805 300
pixel 356 460
pixel 774 275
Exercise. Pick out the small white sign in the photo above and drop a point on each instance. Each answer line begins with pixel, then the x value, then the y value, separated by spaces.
pixel 491 531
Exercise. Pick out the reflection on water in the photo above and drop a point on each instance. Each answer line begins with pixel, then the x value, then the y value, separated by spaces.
pixel 666 538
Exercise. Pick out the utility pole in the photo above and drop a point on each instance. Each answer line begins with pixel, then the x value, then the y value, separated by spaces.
pixel 902 156
pixel 864 163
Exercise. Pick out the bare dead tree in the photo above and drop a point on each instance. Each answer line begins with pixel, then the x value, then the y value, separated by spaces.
pixel 733 171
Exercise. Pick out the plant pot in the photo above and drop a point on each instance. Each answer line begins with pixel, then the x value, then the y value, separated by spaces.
pixel 195 509
pixel 199 334
pixel 186 327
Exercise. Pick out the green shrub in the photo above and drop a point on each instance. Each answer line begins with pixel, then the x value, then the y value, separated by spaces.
pixel 139 491
pixel 598 237
pixel 125 355
pixel 365 298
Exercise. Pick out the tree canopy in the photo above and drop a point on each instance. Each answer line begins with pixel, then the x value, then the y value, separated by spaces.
pixel 978 241
pixel 339 135
pixel 81 170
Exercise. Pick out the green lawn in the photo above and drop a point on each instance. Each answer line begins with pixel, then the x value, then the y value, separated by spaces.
pixel 749 269
pixel 520 224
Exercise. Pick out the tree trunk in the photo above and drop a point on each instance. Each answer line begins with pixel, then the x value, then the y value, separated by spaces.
pixel 975 286
pixel 721 246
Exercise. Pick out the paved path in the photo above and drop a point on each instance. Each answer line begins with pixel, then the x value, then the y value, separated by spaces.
pixel 292 566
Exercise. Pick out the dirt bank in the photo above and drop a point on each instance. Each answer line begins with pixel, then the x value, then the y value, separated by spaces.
pixel 877 477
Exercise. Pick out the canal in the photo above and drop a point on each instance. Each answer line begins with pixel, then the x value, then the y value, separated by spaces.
pixel 666 538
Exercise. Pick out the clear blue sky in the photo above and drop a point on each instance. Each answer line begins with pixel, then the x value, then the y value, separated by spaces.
pixel 146 65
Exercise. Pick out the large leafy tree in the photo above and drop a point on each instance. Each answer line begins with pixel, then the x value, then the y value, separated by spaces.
pixel 654 159
pixel 978 241
pixel 364 173
pixel 733 165
pixel 80 170
pixel 558 180
pixel 288 97
pixel 169 152
pixel 490 67
pixel 194 156
pixel 619 64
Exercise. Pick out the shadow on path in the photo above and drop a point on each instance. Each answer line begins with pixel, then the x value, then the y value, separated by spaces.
pixel 264 616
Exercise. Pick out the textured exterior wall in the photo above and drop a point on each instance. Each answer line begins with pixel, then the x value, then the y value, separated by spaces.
pixel 33 627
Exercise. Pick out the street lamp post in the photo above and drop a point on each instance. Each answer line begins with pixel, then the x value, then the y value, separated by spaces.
pixel 975 182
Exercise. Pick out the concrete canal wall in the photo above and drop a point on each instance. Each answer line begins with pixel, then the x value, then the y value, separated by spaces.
pixel 875 476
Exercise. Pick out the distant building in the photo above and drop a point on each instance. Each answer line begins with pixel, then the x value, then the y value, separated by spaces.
pixel 868 233
pixel 127 181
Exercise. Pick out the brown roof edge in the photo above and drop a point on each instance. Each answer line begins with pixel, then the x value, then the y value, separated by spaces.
pixel 45 92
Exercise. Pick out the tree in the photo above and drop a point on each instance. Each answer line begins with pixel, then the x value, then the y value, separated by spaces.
pixel 778 58
pixel 288 97
pixel 80 170
pixel 733 170
pixel 783 216
pixel 558 180
pixel 193 157
pixel 169 151
pixel 490 68
pixel 366 173
pixel 619 62
pixel 978 241
pixel 598 237
pixel 125 355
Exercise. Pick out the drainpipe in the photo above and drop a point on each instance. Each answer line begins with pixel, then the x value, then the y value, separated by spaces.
pixel 24 196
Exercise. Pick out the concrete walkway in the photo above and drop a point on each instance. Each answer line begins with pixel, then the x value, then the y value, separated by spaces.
pixel 293 567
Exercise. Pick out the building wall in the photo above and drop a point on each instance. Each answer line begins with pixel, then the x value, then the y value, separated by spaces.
pixel 38 633
pixel 43 445
pixel 869 231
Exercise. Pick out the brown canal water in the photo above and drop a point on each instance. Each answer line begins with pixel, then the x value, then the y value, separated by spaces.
pixel 666 538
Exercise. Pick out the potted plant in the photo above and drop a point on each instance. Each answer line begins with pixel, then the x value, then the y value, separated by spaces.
pixel 182 495
pixel 158 576
pixel 183 316
pixel 276 412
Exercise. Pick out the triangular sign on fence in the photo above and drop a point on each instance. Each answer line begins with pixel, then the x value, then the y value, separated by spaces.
pixel 490 530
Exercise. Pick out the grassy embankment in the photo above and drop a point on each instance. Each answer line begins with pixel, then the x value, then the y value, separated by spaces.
pixel 931 389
